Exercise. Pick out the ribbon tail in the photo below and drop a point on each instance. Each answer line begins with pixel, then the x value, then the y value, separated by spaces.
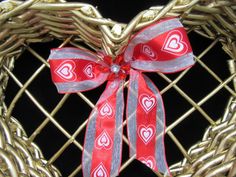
pixel 146 123
pixel 103 139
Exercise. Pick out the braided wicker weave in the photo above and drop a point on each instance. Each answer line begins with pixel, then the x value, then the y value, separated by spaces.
pixel 23 23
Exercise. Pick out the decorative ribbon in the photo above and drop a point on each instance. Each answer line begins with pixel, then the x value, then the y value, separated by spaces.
pixel 161 47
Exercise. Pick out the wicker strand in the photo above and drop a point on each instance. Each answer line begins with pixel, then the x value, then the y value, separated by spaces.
pixel 215 154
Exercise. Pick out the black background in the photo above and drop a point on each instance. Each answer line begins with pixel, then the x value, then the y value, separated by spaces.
pixel 196 83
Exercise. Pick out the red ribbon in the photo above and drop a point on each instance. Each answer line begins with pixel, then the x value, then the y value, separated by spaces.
pixel 161 47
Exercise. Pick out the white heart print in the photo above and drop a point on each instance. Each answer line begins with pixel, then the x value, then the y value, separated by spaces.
pixel 147 102
pixel 103 141
pixel 147 50
pixel 149 161
pixel 146 133
pixel 100 171
pixel 174 44
pixel 66 70
pixel 88 70
pixel 106 110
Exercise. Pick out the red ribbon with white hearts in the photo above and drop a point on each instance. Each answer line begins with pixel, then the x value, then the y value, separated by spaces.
pixel 161 47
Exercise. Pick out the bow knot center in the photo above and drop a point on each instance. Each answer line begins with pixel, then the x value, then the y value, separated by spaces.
pixel 115 68
pixel 118 70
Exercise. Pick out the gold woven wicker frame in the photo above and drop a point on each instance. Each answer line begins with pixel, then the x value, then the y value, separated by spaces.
pixel 22 23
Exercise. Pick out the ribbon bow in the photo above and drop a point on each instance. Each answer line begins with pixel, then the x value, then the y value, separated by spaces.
pixel 161 47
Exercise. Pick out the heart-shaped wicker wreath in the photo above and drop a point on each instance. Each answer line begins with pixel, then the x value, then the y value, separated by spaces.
pixel 37 21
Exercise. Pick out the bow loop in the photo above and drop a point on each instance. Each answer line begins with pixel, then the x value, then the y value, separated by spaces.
pixel 163 47
pixel 75 70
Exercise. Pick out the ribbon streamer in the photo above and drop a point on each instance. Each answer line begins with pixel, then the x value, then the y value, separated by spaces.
pixel 161 47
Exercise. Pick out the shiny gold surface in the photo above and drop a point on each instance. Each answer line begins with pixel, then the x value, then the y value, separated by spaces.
pixel 22 23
